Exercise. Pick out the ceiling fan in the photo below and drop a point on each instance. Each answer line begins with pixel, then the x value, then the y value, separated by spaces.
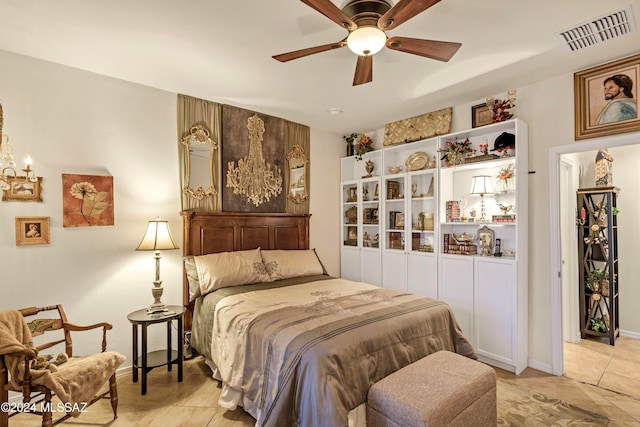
pixel 367 21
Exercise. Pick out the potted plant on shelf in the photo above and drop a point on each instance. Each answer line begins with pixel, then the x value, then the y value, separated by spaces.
pixel 358 144
pixel 506 178
pixel 593 279
pixel 598 325
pixel 455 152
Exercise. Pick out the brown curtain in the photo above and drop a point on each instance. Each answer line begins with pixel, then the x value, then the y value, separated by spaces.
pixel 295 133
pixel 192 112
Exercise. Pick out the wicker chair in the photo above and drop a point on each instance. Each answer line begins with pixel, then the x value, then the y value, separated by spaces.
pixel 36 397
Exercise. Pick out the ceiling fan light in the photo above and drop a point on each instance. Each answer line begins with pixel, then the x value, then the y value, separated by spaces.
pixel 366 40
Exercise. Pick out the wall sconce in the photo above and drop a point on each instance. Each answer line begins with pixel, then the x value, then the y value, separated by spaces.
pixel 8 164
pixel 481 185
pixel 157 238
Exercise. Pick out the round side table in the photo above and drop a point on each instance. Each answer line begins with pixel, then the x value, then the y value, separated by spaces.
pixel 146 361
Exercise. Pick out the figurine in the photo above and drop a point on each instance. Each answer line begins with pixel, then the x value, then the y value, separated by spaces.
pixel 604 166
pixel 368 166
pixel 498 253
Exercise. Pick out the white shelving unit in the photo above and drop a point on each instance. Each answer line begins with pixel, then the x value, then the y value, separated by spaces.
pixel 489 294
pixel 360 249
pixel 408 257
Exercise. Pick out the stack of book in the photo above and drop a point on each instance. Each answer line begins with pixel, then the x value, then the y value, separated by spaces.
pixel 450 246
pixel 503 218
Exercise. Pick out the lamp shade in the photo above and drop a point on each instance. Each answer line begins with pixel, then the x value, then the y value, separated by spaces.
pixel 481 184
pixel 157 237
pixel 366 40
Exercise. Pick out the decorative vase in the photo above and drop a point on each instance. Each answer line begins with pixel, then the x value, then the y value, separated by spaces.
pixel 454 158
pixel 349 149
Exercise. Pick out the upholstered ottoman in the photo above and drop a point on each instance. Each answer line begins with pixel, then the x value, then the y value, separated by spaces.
pixel 442 389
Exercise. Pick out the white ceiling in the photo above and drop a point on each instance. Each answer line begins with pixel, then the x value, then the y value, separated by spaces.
pixel 221 51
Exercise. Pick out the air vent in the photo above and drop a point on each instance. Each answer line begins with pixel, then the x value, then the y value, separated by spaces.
pixel 598 30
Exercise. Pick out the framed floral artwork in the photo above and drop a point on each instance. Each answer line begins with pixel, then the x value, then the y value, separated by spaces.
pixel 606 99
pixel 87 200
pixel 32 230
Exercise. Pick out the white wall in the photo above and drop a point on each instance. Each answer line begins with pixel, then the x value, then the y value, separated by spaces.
pixel 72 121
pixel 325 198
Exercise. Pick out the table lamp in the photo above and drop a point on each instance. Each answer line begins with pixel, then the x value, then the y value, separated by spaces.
pixel 157 238
pixel 481 185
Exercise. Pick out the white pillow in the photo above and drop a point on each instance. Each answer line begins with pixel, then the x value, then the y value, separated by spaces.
pixel 226 269
pixel 284 264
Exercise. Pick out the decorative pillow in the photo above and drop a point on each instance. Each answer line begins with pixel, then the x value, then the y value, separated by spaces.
pixel 284 264
pixel 226 269
pixel 192 277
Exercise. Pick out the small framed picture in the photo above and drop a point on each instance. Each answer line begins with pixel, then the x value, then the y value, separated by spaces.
pixel 398 220
pixel 32 230
pixel 22 189
pixel 606 99
pixel 481 115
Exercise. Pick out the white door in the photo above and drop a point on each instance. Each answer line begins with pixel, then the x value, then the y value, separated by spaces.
pixel 495 309
pixel 456 289
pixel 569 246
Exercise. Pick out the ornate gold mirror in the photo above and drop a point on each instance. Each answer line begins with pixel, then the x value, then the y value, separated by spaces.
pixel 199 154
pixel 297 160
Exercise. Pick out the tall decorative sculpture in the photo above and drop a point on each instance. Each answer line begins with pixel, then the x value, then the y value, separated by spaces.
pixel 254 179
pixel 604 168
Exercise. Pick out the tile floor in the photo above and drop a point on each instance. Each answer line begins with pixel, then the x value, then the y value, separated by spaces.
pixel 599 378
pixel 615 368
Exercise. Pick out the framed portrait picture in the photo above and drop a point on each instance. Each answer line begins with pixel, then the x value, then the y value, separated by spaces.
pixel 32 230
pixel 481 115
pixel 606 99
pixel 22 189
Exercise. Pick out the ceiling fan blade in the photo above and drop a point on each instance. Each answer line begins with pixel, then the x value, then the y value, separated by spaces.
pixel 442 51
pixel 402 12
pixel 364 70
pixel 284 57
pixel 331 11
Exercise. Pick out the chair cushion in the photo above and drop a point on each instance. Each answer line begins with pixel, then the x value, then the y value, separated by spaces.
pixel 80 378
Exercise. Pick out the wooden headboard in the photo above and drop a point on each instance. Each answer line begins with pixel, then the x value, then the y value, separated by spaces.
pixel 212 232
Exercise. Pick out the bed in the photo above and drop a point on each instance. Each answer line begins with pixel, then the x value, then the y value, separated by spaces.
pixel 291 344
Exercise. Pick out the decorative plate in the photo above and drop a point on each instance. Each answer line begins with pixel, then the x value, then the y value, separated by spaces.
pixel 417 161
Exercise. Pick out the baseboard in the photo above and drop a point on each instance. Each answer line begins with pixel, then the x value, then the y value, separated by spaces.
pixel 630 334
pixel 539 366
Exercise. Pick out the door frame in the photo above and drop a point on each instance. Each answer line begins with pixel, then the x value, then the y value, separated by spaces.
pixel 555 250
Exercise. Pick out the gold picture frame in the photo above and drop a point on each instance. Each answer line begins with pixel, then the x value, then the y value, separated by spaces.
pixel 22 189
pixel 32 230
pixel 597 113
pixel 481 115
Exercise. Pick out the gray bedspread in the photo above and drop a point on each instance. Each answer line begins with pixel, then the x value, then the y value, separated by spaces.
pixel 311 363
